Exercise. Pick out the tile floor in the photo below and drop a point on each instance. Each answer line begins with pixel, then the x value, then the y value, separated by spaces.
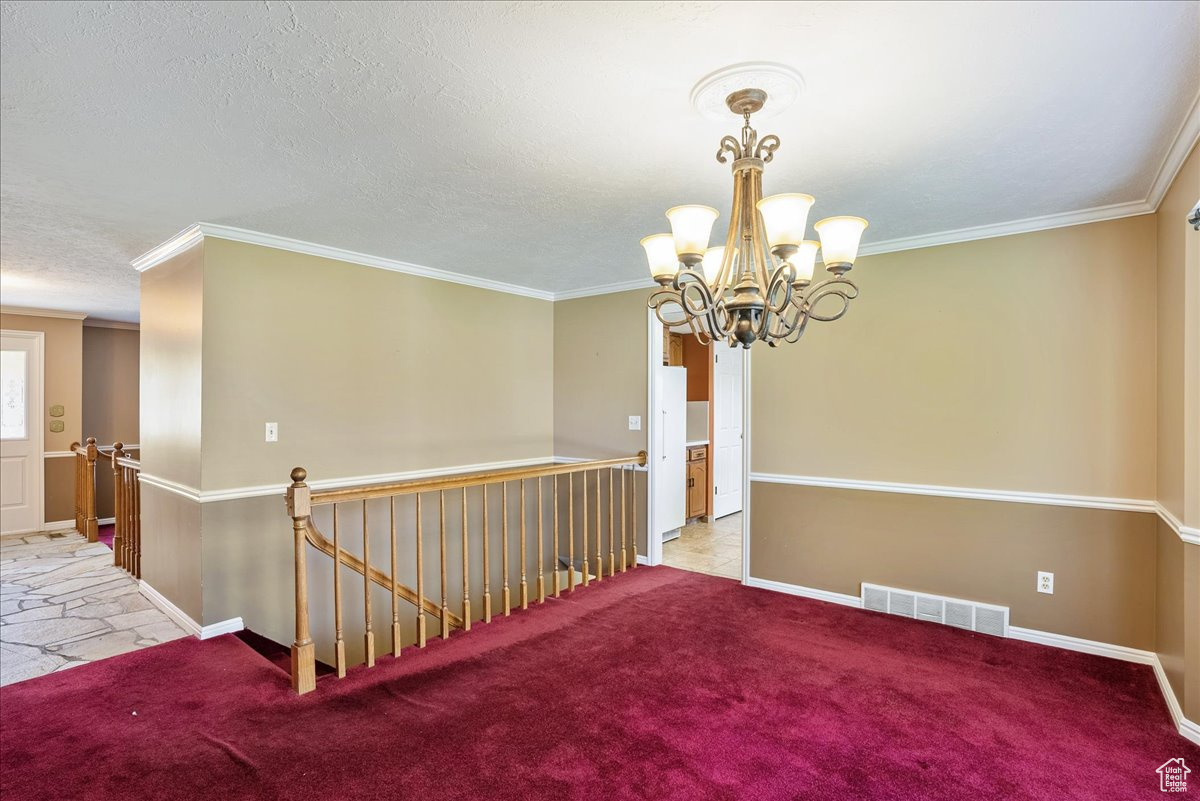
pixel 63 603
pixel 714 548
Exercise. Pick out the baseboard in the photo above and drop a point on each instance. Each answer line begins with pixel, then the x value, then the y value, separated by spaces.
pixel 106 521
pixel 224 627
pixel 643 560
pixel 805 592
pixel 56 525
pixel 174 612
pixel 1187 728
pixel 1083 646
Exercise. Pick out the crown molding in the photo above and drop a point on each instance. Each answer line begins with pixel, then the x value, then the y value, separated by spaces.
pixel 199 231
pixel 1026 226
pixel 604 289
pixel 1185 139
pixel 32 312
pixel 114 324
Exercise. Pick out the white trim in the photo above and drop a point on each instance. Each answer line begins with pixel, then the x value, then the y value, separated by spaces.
pixel 654 359
pixel 192 235
pixel 641 560
pixel 174 612
pixel 805 592
pixel 604 289
pixel 224 627
pixel 115 324
pixel 1081 645
pixel 1028 225
pixel 57 454
pixel 199 231
pixel 1185 139
pixel 1184 726
pixel 266 490
pixel 32 312
pixel 1188 534
pixel 1012 496
pixel 57 525
pixel 106 521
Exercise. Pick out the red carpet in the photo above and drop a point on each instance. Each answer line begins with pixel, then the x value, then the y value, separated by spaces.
pixel 105 534
pixel 658 684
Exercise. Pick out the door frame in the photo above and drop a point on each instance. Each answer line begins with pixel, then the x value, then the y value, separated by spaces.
pixel 654 354
pixel 37 438
pixel 712 425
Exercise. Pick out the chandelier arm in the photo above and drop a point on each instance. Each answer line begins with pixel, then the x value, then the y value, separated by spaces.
pixel 766 148
pixel 731 145
pixel 841 288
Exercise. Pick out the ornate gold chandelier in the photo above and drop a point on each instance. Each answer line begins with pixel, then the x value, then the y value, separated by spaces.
pixel 738 293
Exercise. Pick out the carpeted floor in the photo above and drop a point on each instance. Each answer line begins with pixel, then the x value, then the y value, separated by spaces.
pixel 658 684
pixel 105 534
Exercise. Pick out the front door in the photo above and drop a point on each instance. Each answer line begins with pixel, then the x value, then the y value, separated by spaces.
pixel 728 372
pixel 20 431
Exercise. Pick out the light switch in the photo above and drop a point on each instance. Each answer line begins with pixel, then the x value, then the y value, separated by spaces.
pixel 272 432
pixel 635 422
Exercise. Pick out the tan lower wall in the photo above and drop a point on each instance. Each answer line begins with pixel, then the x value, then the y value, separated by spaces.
pixel 1169 630
pixel 831 539
pixel 171 548
pixel 60 489
pixel 1191 632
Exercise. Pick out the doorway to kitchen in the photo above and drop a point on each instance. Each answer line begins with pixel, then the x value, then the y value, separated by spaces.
pixel 698 455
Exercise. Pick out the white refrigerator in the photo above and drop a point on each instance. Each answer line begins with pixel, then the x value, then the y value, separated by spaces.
pixel 672 452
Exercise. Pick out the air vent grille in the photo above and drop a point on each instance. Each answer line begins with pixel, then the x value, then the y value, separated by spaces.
pixel 970 615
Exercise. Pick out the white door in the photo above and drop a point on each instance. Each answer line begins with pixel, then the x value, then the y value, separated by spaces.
pixel 728 372
pixel 671 506
pixel 20 431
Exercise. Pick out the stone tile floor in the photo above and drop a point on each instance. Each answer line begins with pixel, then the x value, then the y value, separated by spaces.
pixel 63 603
pixel 714 548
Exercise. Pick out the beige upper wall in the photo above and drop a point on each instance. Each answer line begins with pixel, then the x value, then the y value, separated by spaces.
pixel 110 384
pixel 600 374
pixel 170 349
pixel 63 380
pixel 1018 363
pixel 1178 247
pixel 366 371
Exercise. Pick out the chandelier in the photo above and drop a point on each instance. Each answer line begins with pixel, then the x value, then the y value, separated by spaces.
pixel 759 285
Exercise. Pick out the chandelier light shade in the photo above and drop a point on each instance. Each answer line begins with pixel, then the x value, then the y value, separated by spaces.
pixel 759 285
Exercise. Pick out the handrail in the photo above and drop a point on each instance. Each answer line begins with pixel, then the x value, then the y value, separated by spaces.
pixel 460 480
pixel 301 499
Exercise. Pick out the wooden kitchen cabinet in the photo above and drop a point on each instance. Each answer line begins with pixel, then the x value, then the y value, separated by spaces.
pixel 672 349
pixel 697 482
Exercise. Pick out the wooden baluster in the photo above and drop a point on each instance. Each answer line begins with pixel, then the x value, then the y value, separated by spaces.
pixel 571 532
pixel 369 629
pixel 129 509
pixel 137 524
pixel 89 488
pixel 599 535
pixel 487 563
pixel 633 516
pixel 395 594
pixel 504 554
pixel 78 487
pixel 420 580
pixel 624 517
pixel 304 664
pixel 339 643
pixel 466 613
pixel 118 545
pixel 554 505
pixel 541 584
pixel 612 557
pixel 442 546
pixel 524 558
pixel 584 541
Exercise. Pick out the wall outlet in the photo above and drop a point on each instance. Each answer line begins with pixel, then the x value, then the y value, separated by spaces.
pixel 272 432
pixel 1045 582
pixel 635 422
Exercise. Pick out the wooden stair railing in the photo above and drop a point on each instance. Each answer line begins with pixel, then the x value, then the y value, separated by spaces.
pixel 127 511
pixel 85 488
pixel 554 483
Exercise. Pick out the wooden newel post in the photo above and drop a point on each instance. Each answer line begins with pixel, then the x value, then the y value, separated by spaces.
pixel 304 664
pixel 91 524
pixel 118 545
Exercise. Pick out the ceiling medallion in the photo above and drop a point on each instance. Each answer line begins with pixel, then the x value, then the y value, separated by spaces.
pixel 738 293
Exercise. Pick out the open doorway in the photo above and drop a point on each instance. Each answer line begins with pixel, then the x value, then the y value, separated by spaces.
pixel 697 415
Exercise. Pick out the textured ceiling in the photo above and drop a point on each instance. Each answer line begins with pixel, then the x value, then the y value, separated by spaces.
pixel 536 143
